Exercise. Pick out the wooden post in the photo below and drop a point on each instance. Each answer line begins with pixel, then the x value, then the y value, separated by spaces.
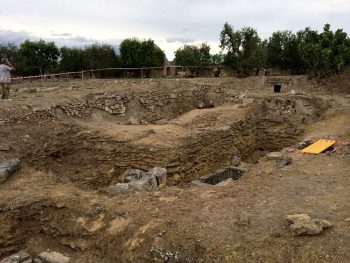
pixel 41 74
pixel 82 75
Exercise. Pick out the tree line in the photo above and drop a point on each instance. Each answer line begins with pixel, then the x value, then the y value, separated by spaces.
pixel 320 54
pixel 40 57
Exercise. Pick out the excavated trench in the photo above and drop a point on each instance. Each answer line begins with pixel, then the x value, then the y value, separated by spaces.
pixel 97 155
pixel 92 160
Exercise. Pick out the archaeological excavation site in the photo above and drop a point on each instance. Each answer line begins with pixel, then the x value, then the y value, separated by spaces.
pixel 175 170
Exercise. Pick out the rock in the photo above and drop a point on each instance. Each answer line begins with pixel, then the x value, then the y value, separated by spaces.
pixel 112 102
pixel 53 257
pixel 283 161
pixel 137 180
pixel 293 92
pixel 122 110
pixel 274 155
pixel 176 178
pixel 347 220
pixel 173 96
pixel 134 120
pixel 205 105
pixel 74 87
pixel 133 174
pixel 121 188
pixel 161 121
pixel 303 224
pixel 145 183
pixel 247 101
pixel 32 90
pixel 4 147
pixel 236 160
pixel 160 174
pixel 143 122
pixel 242 96
pixel 20 257
pixel 7 168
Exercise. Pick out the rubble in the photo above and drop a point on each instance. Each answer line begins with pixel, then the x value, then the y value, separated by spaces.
pixel 205 105
pixel 274 155
pixel 236 160
pixel 247 101
pixel 161 255
pixel 145 183
pixel 132 174
pixel 121 188
pixel 303 224
pixel 283 161
pixel 137 180
pixel 53 257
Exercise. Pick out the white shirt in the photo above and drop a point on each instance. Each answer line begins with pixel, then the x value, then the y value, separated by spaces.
pixel 5 74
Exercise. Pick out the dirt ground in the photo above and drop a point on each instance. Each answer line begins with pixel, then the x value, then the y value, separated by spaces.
pixel 76 138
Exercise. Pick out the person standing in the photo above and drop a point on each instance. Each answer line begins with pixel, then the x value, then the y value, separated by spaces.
pixel 5 77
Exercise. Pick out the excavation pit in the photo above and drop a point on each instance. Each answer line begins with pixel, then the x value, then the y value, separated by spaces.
pixel 220 176
pixel 55 201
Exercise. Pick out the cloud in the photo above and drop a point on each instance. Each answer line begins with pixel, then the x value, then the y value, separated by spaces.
pixel 9 36
pixel 181 40
pixel 61 35
pixel 170 23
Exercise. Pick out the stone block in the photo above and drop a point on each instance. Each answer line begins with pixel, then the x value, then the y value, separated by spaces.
pixel 20 257
pixel 8 167
pixel 53 257
pixel 303 224
pixel 160 174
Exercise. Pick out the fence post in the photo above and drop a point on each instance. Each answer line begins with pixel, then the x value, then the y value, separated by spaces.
pixel 41 75
pixel 82 75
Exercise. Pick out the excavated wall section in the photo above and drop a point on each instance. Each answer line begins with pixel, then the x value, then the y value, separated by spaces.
pixel 96 161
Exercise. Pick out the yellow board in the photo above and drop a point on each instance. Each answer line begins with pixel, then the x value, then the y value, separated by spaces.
pixel 318 146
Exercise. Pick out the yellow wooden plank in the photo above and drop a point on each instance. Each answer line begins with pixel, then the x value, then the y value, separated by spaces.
pixel 318 146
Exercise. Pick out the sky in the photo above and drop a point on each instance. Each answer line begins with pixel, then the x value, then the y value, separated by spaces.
pixel 170 23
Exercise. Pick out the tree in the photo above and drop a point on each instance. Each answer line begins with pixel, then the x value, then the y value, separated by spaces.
pixel 194 57
pixel 72 59
pixel 326 53
pixel 244 49
pixel 11 52
pixel 135 53
pixel 217 61
pixel 230 41
pixel 283 52
pixel 98 56
pixel 39 55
